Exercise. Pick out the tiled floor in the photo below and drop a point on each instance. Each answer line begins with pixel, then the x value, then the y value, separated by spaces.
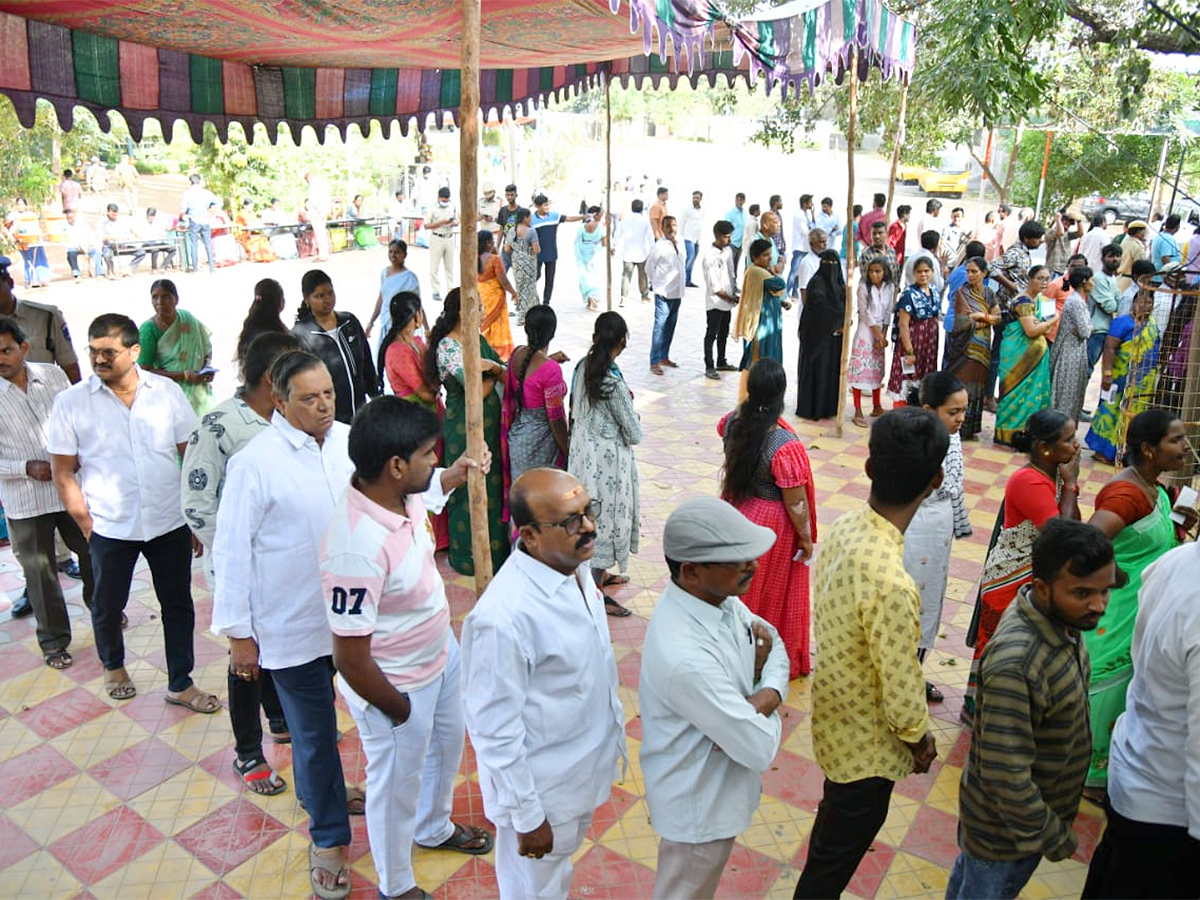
pixel 137 799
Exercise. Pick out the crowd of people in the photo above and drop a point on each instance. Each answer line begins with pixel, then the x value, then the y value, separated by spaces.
pixel 319 494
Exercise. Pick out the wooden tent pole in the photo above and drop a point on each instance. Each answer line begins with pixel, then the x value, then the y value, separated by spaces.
pixel 897 143
pixel 468 120
pixel 852 249
pixel 610 214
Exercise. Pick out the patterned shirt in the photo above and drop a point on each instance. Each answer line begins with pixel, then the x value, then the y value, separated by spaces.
pixel 1031 743
pixel 1013 265
pixel 26 417
pixel 868 694
pixel 222 432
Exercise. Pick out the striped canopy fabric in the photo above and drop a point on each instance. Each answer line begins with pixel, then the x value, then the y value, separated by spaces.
pixel 351 62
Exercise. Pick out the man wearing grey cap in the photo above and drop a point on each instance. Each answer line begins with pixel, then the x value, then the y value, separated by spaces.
pixel 713 674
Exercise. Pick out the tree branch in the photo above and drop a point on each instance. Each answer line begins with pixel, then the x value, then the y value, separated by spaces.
pixel 1105 30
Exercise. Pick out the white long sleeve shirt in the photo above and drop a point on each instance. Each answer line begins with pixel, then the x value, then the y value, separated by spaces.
pixel 1154 763
pixel 801 224
pixel 634 238
pixel 279 496
pixel 540 695
pixel 697 671
pixel 665 268
pixel 691 224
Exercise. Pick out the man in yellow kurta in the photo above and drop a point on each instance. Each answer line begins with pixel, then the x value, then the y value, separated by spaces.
pixel 870 724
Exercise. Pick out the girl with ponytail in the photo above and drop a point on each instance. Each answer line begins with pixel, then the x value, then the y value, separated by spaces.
pixel 767 476
pixel 534 416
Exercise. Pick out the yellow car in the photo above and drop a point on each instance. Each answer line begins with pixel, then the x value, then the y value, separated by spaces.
pixel 950 181
pixel 907 174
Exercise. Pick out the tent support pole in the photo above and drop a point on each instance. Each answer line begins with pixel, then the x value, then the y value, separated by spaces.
pixel 852 248
pixel 468 120
pixel 897 143
pixel 610 214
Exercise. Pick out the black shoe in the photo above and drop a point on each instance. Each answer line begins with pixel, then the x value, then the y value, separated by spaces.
pixel 22 607
pixel 70 568
pixel 726 367
pixel 712 373
pixel 1085 415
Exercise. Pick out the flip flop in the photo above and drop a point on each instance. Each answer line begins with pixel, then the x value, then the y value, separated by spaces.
pixel 319 860
pixel 258 777
pixel 609 580
pixel 118 686
pixel 462 839
pixel 59 659
pixel 932 694
pixel 196 700
pixel 356 801
pixel 615 609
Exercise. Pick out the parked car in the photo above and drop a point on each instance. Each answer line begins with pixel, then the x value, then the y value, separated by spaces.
pixel 906 174
pixel 1117 207
pixel 950 180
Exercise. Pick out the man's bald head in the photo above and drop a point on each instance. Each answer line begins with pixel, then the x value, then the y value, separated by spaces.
pixel 555 518
pixel 541 494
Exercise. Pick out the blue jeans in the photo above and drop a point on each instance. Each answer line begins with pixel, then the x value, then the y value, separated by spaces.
pixel 691 249
pixel 73 255
pixel 195 234
pixel 793 279
pixel 987 879
pixel 666 312
pixel 170 558
pixel 1095 348
pixel 306 695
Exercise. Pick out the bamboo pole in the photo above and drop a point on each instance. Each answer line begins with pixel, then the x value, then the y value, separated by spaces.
pixel 468 119
pixel 897 144
pixel 852 250
pixel 610 214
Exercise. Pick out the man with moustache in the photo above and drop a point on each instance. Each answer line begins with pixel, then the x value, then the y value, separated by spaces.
pixel 280 493
pixel 395 654
pixel 1031 743
pixel 115 442
pixel 713 675
pixel 541 689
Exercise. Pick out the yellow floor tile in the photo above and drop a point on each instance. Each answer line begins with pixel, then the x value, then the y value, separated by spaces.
pixel 56 812
pixel 97 740
pixel 166 871
pixel 633 837
pixel 778 829
pixel 38 875
pixel 280 870
pixel 181 801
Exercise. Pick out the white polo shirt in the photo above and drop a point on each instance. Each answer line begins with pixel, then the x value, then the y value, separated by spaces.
pixel 128 456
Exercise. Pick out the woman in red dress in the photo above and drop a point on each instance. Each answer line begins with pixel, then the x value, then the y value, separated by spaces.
pixel 767 476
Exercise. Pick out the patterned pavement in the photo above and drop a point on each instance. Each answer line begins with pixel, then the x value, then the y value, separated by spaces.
pixel 137 799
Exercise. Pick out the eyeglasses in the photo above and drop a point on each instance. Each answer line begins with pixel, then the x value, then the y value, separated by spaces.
pixel 107 353
pixel 573 523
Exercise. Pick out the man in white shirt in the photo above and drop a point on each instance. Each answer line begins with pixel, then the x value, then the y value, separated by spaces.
pixel 713 675
pixel 720 297
pixel 442 222
pixel 1095 241
pixel 664 271
pixel 931 220
pixel 279 496
pixel 817 243
pixel 221 433
pixel 154 229
pixel 828 221
pixel 635 240
pixel 802 224
pixel 397 659
pixel 320 201
pixel 692 226
pixel 1151 847
pixel 194 208
pixel 32 507
pixel 81 241
pixel 540 690
pixel 115 442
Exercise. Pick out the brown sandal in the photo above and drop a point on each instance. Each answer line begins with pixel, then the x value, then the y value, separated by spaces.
pixel 118 686
pixel 325 859
pixel 194 699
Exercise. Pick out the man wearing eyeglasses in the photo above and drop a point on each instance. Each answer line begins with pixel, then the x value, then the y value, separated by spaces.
pixel 713 675
pixel 123 432
pixel 541 689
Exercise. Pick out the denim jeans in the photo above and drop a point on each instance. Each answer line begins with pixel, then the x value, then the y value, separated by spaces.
pixel 1095 348
pixel 987 879
pixel 306 694
pixel 196 233
pixel 170 558
pixel 691 249
pixel 73 261
pixel 793 279
pixel 666 312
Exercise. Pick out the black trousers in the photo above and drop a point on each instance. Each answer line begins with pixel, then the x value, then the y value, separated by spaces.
pixel 716 332
pixel 548 288
pixel 737 255
pixel 245 700
pixel 33 546
pixel 1143 859
pixel 170 559
pixel 849 817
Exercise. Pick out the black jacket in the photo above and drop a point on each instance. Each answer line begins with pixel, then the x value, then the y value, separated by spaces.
pixel 348 358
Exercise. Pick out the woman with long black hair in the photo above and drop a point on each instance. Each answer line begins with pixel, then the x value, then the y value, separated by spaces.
pixel 265 315
pixel 604 430
pixel 535 423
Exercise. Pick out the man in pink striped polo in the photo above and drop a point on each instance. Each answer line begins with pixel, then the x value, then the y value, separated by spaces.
pixel 397 659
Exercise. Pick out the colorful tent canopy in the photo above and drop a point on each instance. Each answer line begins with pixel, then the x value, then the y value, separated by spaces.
pixel 344 62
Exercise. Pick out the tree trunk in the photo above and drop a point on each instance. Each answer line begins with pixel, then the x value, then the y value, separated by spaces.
pixel 1011 169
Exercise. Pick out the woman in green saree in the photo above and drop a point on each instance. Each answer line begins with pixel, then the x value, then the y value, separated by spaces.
pixel 444 366
pixel 1129 376
pixel 1024 360
pixel 1134 510
pixel 177 345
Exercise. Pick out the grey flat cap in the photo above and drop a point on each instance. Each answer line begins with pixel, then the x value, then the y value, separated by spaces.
pixel 709 530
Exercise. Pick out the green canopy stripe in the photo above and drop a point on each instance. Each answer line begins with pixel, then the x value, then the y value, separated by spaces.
pixel 208 89
pixel 97 68
pixel 300 92
pixel 383 92
pixel 450 94
pixel 504 85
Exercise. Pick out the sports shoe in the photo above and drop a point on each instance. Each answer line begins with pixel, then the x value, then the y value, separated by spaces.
pixel 712 373
pixel 70 568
